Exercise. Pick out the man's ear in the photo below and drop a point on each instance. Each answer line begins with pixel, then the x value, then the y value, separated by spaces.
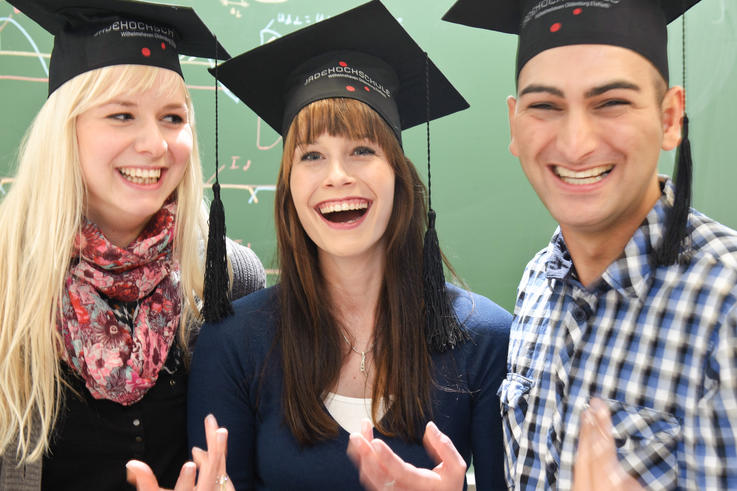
pixel 511 109
pixel 672 110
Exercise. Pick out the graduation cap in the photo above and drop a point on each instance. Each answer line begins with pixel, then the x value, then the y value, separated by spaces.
pixel 90 34
pixel 362 54
pixel 638 25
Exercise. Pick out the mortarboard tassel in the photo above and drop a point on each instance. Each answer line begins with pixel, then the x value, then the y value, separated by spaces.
pixel 216 304
pixel 677 220
pixel 443 331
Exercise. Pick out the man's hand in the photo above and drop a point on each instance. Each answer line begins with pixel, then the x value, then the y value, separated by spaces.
pixel 597 467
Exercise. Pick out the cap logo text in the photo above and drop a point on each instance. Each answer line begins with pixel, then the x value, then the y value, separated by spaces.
pixel 344 71
pixel 544 7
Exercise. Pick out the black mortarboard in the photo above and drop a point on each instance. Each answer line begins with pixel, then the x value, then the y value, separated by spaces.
pixel 639 25
pixel 90 34
pixel 363 53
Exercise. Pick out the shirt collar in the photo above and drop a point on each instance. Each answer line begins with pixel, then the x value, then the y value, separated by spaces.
pixel 629 273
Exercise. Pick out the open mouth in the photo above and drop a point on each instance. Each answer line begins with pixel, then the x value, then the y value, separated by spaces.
pixel 137 175
pixel 588 176
pixel 344 211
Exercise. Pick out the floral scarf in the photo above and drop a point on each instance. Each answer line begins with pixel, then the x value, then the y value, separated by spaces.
pixel 117 361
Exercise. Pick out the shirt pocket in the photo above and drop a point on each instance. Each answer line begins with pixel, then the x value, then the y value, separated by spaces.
pixel 647 443
pixel 513 396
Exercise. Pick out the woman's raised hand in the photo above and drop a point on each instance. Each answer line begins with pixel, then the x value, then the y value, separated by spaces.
pixel 210 462
pixel 381 469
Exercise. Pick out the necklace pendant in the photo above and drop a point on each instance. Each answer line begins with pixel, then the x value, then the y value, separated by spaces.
pixel 363 362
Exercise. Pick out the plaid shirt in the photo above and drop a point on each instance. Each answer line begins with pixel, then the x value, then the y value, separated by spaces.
pixel 659 345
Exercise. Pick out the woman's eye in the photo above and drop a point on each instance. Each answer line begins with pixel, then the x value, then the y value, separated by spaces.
pixel 310 156
pixel 121 116
pixel 173 119
pixel 364 151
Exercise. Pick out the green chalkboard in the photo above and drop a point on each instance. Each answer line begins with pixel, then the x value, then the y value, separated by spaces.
pixel 489 220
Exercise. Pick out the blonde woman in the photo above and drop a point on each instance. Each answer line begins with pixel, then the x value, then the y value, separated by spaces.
pixel 101 256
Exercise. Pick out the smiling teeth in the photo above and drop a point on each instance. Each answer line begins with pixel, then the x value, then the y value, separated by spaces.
pixel 335 206
pixel 588 176
pixel 138 175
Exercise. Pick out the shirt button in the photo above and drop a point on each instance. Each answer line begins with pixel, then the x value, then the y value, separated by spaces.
pixel 579 315
pixel 172 382
pixel 139 439
pixel 136 422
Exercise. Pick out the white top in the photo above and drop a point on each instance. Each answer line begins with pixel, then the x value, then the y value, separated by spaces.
pixel 349 411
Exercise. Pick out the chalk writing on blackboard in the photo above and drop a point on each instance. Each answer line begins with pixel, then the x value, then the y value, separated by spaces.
pixel 4 22
pixel 235 6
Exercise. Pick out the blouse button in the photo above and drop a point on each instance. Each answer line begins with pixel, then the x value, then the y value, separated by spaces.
pixel 139 439
pixel 172 382
pixel 136 422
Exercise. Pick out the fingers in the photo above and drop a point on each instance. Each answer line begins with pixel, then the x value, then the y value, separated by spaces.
pixel 212 463
pixel 360 451
pixel 367 429
pixel 199 456
pixel 373 474
pixel 140 475
pixel 429 441
pixel 597 465
pixel 221 436
pixel 397 472
pixel 605 450
pixel 358 447
pixel 582 468
pixel 186 479
pixel 381 469
pixel 442 450
pixel 370 472
pixel 211 427
pixel 601 440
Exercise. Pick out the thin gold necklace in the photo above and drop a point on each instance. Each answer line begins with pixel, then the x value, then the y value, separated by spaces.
pixel 362 353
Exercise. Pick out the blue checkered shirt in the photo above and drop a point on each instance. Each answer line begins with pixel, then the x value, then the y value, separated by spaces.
pixel 659 345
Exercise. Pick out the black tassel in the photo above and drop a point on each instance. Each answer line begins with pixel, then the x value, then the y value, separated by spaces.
pixel 217 301
pixel 677 219
pixel 443 331
pixel 216 304
pixel 676 223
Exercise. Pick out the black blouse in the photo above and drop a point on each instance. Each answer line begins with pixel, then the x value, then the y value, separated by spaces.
pixel 94 438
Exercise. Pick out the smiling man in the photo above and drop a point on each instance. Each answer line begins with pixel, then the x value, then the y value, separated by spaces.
pixel 622 365
pixel 632 303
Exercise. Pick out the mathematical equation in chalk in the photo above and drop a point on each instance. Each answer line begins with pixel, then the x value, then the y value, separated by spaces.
pixel 234 170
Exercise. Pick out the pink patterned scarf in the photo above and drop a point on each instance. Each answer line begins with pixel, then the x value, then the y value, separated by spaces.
pixel 118 364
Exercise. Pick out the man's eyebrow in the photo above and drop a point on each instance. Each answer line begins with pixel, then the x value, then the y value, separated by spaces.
pixel 618 84
pixel 596 91
pixel 535 88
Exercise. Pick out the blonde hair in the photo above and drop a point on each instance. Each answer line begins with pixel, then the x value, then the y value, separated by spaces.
pixel 40 217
